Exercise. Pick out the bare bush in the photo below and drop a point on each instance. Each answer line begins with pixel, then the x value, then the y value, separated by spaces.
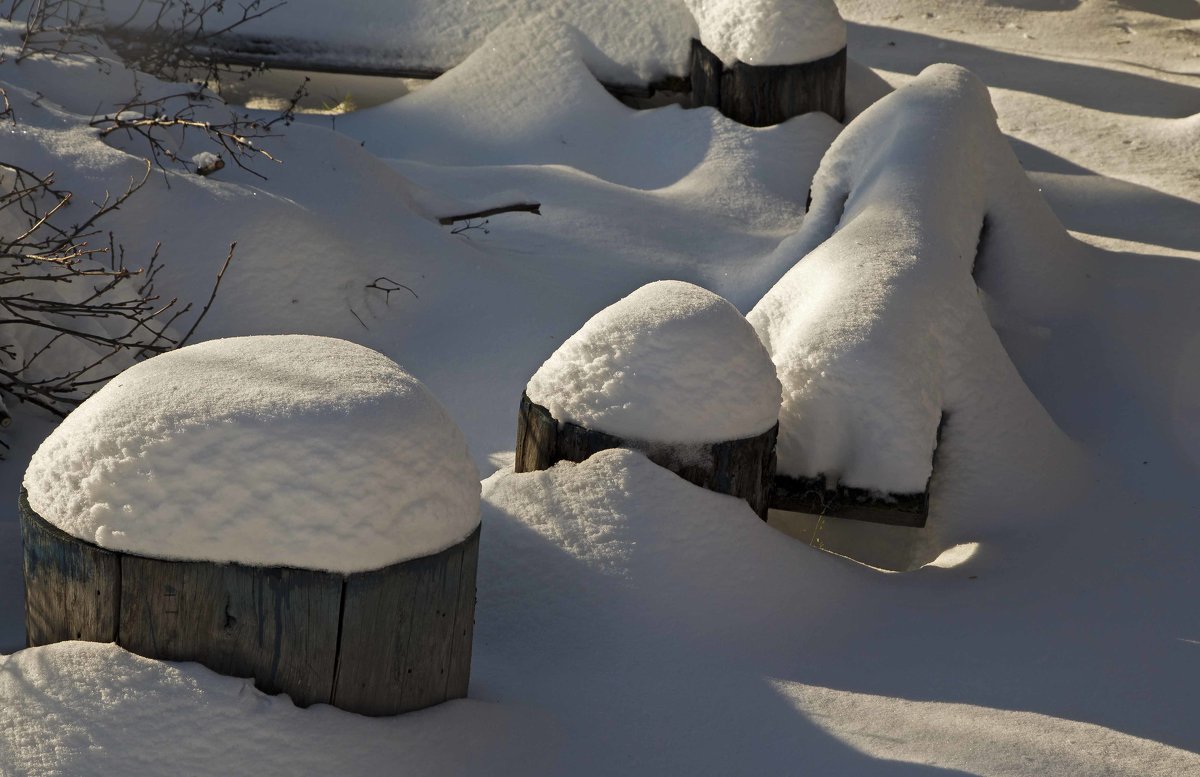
pixel 73 310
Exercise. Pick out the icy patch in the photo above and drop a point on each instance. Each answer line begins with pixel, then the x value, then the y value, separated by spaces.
pixel 671 362
pixel 769 32
pixel 289 450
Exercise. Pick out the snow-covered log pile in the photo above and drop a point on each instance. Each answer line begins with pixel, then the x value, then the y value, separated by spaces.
pixel 672 370
pixel 883 326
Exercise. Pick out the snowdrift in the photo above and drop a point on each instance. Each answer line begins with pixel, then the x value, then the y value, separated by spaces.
pixel 922 231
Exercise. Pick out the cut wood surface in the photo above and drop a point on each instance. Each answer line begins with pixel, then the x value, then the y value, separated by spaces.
pixel 759 96
pixel 378 643
pixel 743 468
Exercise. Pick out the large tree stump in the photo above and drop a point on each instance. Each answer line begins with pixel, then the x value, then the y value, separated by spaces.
pixel 743 468
pixel 378 643
pixel 761 95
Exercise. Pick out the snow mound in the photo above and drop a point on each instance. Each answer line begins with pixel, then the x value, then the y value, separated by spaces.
pixel 769 32
pixel 881 327
pixel 287 450
pixel 671 362
pixel 90 710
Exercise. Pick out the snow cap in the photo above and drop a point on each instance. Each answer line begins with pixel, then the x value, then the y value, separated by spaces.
pixel 287 450
pixel 769 32
pixel 671 362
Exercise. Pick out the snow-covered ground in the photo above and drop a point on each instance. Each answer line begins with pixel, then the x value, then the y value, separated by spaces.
pixel 627 621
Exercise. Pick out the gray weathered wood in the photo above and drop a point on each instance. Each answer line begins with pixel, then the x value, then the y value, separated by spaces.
pixel 275 624
pixel 761 95
pixel 743 468
pixel 378 643
pixel 71 587
pixel 406 633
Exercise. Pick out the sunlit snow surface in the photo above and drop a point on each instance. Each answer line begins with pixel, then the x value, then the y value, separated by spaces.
pixel 290 450
pixel 628 622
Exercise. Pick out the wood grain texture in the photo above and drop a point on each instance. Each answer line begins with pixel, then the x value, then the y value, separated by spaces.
pixel 275 624
pixel 71 587
pixel 406 633
pixel 376 643
pixel 743 468
pixel 759 96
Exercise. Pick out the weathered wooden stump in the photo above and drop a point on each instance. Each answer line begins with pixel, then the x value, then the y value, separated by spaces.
pixel 743 468
pixel 381 642
pixel 759 96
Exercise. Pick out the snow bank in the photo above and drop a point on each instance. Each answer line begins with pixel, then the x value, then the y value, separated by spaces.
pixel 287 450
pixel 671 362
pixel 635 41
pixel 92 710
pixel 769 32
pixel 881 327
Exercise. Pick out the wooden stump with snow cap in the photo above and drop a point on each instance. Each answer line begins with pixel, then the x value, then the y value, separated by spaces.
pixel 312 524
pixel 673 371
pixel 764 61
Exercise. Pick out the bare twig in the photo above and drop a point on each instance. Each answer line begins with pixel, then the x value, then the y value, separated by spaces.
pixel 519 207
pixel 388 289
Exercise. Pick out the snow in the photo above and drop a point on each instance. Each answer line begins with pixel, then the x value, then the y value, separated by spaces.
pixel 631 622
pixel 670 363
pixel 628 622
pixel 295 451
pixel 206 161
pixel 879 329
pixel 634 41
pixel 769 32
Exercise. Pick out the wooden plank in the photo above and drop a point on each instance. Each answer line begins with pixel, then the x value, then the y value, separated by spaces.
pixel 71 586
pixel 277 625
pixel 402 628
pixel 762 95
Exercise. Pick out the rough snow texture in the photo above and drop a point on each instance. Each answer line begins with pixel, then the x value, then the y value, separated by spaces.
pixel 769 32
pixel 881 328
pixel 671 362
pixel 286 450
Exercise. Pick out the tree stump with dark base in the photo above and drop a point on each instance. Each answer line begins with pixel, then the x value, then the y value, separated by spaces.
pixel 762 95
pixel 743 468
pixel 382 642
